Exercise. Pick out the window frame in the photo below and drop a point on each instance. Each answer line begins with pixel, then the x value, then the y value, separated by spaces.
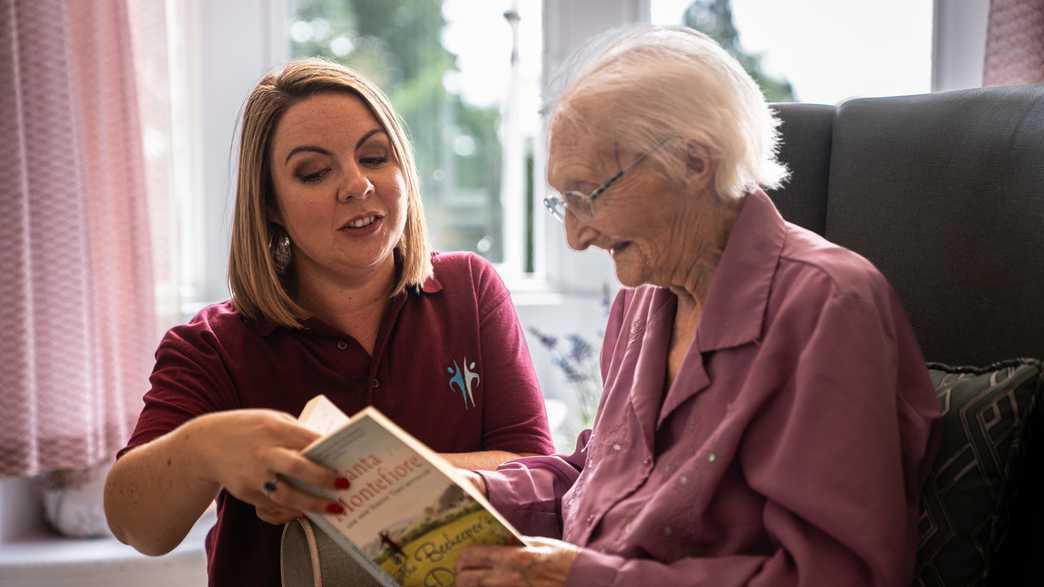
pixel 243 39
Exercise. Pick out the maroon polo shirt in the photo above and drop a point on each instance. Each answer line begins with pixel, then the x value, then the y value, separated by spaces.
pixel 450 365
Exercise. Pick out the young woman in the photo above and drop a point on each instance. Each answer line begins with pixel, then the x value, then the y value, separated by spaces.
pixel 336 291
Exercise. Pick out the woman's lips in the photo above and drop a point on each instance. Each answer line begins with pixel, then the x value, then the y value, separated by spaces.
pixel 365 230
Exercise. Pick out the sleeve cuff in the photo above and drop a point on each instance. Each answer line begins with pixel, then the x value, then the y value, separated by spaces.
pixel 511 493
pixel 594 569
pixel 498 490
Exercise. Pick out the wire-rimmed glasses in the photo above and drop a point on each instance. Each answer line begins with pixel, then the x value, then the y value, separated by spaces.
pixel 581 204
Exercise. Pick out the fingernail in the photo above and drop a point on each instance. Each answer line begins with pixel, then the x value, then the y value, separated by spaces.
pixel 342 483
pixel 334 508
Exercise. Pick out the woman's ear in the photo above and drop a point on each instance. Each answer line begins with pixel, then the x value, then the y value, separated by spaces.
pixel 274 216
pixel 698 162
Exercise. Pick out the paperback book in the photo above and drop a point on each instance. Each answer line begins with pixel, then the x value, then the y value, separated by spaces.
pixel 407 514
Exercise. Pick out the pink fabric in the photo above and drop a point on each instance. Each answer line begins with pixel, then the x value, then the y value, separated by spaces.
pixel 1015 43
pixel 76 287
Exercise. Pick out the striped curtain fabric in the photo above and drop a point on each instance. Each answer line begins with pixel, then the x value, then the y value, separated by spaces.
pixel 76 294
pixel 1015 43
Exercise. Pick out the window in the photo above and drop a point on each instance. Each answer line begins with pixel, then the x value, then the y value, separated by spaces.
pixel 465 77
pixel 822 51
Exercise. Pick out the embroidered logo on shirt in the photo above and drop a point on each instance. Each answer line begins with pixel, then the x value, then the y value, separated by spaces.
pixel 464 381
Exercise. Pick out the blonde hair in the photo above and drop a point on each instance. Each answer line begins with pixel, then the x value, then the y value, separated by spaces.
pixel 661 83
pixel 253 280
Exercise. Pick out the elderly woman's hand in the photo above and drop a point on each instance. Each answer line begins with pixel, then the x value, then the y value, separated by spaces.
pixel 544 563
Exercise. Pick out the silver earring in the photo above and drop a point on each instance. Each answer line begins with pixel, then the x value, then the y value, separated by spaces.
pixel 282 254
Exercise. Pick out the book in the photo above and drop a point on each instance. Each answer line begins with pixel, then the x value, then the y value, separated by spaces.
pixel 408 514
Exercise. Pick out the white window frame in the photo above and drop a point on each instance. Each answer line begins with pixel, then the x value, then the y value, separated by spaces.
pixel 958 43
pixel 240 40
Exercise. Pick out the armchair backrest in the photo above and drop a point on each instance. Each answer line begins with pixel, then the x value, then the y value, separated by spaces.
pixel 944 193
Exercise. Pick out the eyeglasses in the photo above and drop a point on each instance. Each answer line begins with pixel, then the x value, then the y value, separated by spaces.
pixel 581 204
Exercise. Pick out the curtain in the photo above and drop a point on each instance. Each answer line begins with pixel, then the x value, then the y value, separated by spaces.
pixel 76 291
pixel 161 52
pixel 1015 43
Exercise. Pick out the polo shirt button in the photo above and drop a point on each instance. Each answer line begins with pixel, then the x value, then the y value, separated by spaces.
pixel 375 383
pixel 341 345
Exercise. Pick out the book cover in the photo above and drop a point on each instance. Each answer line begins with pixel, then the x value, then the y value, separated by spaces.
pixel 407 515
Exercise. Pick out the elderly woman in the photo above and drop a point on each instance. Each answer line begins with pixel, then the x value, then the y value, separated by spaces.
pixel 767 416
pixel 334 288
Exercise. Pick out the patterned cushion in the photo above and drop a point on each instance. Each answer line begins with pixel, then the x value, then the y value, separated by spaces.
pixel 976 473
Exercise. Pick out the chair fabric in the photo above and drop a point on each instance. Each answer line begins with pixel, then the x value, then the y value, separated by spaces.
pixel 944 193
pixel 808 129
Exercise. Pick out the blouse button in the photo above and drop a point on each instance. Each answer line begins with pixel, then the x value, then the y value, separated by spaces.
pixel 341 345
pixel 646 461
pixel 667 531
pixel 590 519
pixel 616 446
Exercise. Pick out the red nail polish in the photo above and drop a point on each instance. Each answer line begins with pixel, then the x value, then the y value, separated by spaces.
pixel 342 483
pixel 334 508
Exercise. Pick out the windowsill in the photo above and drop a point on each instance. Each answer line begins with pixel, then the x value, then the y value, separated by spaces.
pixel 534 291
pixel 43 558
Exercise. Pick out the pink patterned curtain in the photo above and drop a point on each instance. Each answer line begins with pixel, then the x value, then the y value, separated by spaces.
pixel 76 307
pixel 1015 43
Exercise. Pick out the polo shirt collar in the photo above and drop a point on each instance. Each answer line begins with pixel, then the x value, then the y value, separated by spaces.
pixel 734 311
pixel 431 285
pixel 263 326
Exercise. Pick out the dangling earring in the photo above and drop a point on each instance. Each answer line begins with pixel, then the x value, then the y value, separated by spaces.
pixel 279 248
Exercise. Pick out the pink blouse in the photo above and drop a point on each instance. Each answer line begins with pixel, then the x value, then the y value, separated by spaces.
pixel 789 449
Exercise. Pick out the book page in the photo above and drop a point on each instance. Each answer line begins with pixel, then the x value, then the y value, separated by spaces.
pixel 322 416
pixel 402 510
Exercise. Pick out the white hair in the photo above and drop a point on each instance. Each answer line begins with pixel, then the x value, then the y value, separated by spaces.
pixel 658 83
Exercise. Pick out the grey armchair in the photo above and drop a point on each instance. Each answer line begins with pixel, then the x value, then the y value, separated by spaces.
pixel 944 193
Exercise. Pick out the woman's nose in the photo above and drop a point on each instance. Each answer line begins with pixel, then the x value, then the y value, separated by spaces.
pixel 579 234
pixel 355 184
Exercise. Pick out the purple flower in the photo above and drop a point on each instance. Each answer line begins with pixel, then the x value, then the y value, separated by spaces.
pixel 579 350
pixel 573 375
pixel 549 342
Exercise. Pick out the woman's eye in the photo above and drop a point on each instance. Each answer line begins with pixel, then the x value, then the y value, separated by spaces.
pixel 375 161
pixel 313 177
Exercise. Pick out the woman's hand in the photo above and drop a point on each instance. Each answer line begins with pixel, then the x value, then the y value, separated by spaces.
pixel 244 451
pixel 544 563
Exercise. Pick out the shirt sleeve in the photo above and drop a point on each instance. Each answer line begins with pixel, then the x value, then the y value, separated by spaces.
pixel 528 491
pixel 838 452
pixel 514 418
pixel 189 379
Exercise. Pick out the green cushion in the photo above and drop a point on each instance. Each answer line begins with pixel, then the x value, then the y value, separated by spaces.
pixel 975 476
